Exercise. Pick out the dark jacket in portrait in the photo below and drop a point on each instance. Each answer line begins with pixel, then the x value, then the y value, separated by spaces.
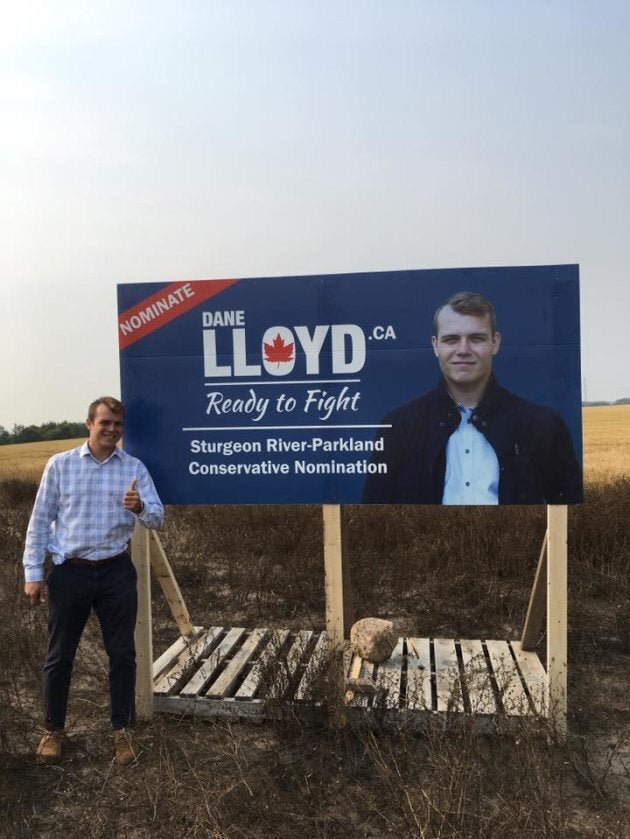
pixel 537 462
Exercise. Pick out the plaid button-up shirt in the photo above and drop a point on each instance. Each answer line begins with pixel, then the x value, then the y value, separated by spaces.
pixel 79 509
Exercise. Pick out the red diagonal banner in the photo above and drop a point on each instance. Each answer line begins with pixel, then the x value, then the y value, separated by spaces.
pixel 164 306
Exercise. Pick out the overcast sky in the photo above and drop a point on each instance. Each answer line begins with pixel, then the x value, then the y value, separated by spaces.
pixel 165 141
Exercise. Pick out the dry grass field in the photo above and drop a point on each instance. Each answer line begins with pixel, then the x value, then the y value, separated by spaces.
pixel 606 448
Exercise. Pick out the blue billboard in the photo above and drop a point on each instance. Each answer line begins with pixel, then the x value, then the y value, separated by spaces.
pixel 346 388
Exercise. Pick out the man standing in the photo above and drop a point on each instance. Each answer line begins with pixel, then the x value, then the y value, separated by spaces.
pixel 85 512
pixel 470 441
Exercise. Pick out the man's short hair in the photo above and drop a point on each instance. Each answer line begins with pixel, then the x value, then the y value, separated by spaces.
pixel 468 303
pixel 114 405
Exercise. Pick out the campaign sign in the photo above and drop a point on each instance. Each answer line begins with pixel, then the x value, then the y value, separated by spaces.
pixel 332 389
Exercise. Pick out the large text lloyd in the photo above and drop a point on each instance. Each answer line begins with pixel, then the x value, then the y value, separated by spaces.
pixel 343 345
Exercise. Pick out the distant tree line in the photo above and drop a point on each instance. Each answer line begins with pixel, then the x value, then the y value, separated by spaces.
pixel 48 431
pixel 594 404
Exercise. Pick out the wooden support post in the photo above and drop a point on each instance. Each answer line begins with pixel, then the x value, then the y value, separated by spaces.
pixel 537 601
pixel 337 576
pixel 557 517
pixel 161 567
pixel 144 631
pixel 338 605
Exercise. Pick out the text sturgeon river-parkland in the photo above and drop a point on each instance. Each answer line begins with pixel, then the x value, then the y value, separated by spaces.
pixel 279 445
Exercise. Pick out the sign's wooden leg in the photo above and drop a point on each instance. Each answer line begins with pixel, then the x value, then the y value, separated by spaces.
pixel 537 600
pixel 338 607
pixel 161 567
pixel 557 517
pixel 338 593
pixel 144 633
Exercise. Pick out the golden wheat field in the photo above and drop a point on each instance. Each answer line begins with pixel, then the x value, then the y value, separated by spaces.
pixel 27 460
pixel 606 448
pixel 606 443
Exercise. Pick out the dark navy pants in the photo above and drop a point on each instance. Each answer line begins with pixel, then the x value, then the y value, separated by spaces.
pixel 73 591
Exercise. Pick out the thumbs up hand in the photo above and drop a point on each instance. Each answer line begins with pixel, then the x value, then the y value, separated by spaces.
pixel 131 498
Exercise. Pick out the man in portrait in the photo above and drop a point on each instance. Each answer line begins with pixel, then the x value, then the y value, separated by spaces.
pixel 469 440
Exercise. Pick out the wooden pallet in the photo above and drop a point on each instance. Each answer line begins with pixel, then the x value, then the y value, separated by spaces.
pixel 263 673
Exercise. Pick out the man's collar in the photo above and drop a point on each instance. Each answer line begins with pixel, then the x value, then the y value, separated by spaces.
pixel 86 451
pixel 485 406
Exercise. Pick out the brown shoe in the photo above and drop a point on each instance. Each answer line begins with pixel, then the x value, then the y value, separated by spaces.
pixel 50 746
pixel 125 750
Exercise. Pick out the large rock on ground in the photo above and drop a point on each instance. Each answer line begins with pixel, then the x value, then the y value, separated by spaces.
pixel 373 639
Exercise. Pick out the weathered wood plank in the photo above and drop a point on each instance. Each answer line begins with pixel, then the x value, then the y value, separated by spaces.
pixel 252 710
pixel 355 666
pixel 289 665
pixel 310 681
pixel 534 675
pixel 205 673
pixel 166 660
pixel 388 677
pixel 449 691
pixel 511 691
pixel 262 664
pixel 221 687
pixel 171 680
pixel 477 678
pixel 419 697
pixel 359 669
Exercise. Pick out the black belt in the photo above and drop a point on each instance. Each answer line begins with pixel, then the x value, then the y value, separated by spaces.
pixel 93 563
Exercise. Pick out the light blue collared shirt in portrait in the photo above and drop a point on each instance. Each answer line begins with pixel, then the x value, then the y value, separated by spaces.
pixel 472 467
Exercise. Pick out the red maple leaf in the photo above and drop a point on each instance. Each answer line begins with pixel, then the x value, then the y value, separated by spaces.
pixel 278 351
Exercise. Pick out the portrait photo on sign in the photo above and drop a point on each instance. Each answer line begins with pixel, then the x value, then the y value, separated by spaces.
pixel 470 440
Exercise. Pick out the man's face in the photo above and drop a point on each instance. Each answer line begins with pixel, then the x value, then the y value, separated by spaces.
pixel 105 429
pixel 464 347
